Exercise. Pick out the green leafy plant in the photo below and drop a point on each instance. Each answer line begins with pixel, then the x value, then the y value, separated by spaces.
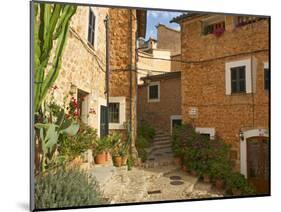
pixel 100 145
pixel 239 182
pixel 53 124
pixel 73 146
pixel 66 188
pixel 51 23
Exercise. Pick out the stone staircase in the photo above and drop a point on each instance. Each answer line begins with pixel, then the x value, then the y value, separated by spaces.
pixel 160 152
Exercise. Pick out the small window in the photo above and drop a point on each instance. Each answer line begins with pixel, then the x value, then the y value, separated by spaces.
pixel 114 111
pixel 153 92
pixel 238 79
pixel 91 27
pixel 266 78
pixel 82 105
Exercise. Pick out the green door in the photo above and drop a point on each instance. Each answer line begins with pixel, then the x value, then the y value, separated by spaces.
pixel 103 121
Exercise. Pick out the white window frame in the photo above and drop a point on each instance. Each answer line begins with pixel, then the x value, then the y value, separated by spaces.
pixel 204 130
pixel 248 75
pixel 122 112
pixel 152 84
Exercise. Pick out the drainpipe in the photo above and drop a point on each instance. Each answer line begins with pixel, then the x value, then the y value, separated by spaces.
pixel 107 71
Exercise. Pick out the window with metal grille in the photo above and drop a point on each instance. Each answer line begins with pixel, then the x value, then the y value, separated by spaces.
pixel 114 111
pixel 266 78
pixel 153 92
pixel 91 27
pixel 238 79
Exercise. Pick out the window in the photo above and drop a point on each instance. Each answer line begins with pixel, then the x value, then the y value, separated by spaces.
pixel 207 132
pixel 266 77
pixel 239 75
pixel 154 92
pixel 117 112
pixel 244 20
pixel 91 27
pixel 213 25
pixel 113 109
pixel 238 81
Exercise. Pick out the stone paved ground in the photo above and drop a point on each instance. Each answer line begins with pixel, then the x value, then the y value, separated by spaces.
pixel 154 184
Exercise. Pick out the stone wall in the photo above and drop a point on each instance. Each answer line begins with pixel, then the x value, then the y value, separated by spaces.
pixel 83 66
pixel 158 114
pixel 120 71
pixel 176 66
pixel 203 83
pixel 168 39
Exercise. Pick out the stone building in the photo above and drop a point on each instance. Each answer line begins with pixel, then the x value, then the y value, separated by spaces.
pixel 83 69
pixel 159 100
pixel 154 56
pixel 225 85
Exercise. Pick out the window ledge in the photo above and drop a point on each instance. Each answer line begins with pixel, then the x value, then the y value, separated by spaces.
pixel 116 126
pixel 153 100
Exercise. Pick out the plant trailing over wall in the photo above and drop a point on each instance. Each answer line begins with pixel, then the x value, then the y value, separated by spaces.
pixel 51 23
pixel 66 188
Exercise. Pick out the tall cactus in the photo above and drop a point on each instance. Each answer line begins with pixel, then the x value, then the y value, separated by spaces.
pixel 51 23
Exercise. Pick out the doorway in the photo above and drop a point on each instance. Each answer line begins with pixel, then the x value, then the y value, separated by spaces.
pixel 258 163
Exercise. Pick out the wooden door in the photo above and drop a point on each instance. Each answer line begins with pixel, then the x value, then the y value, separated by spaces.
pixel 258 163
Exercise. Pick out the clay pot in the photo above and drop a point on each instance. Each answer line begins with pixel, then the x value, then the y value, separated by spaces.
pixel 206 178
pixel 219 184
pixel 177 161
pixel 236 192
pixel 124 160
pixel 117 160
pixel 100 158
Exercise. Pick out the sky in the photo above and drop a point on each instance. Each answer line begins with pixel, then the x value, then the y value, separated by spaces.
pixel 155 17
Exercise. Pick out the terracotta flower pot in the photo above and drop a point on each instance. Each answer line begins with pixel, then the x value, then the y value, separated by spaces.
pixel 219 184
pixel 117 160
pixel 177 161
pixel 100 158
pixel 206 178
pixel 124 160
pixel 236 192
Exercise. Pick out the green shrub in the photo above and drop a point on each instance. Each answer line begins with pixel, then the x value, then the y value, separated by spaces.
pixel 238 181
pixel 66 188
pixel 146 131
pixel 145 135
pixel 73 146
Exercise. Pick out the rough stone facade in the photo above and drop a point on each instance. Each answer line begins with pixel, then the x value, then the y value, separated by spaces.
pixel 204 83
pixel 84 65
pixel 168 39
pixel 123 76
pixel 158 114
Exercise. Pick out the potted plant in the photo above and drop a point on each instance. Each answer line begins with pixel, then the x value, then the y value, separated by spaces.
pixel 237 183
pixel 117 158
pixel 124 155
pixel 113 140
pixel 99 151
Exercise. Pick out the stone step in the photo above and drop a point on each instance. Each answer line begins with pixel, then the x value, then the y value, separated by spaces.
pixel 103 173
pixel 159 149
pixel 159 136
pixel 162 142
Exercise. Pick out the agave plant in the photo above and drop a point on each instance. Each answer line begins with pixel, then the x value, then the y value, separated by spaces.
pixel 51 23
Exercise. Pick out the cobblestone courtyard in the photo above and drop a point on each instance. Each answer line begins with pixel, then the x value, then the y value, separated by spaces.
pixel 155 184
